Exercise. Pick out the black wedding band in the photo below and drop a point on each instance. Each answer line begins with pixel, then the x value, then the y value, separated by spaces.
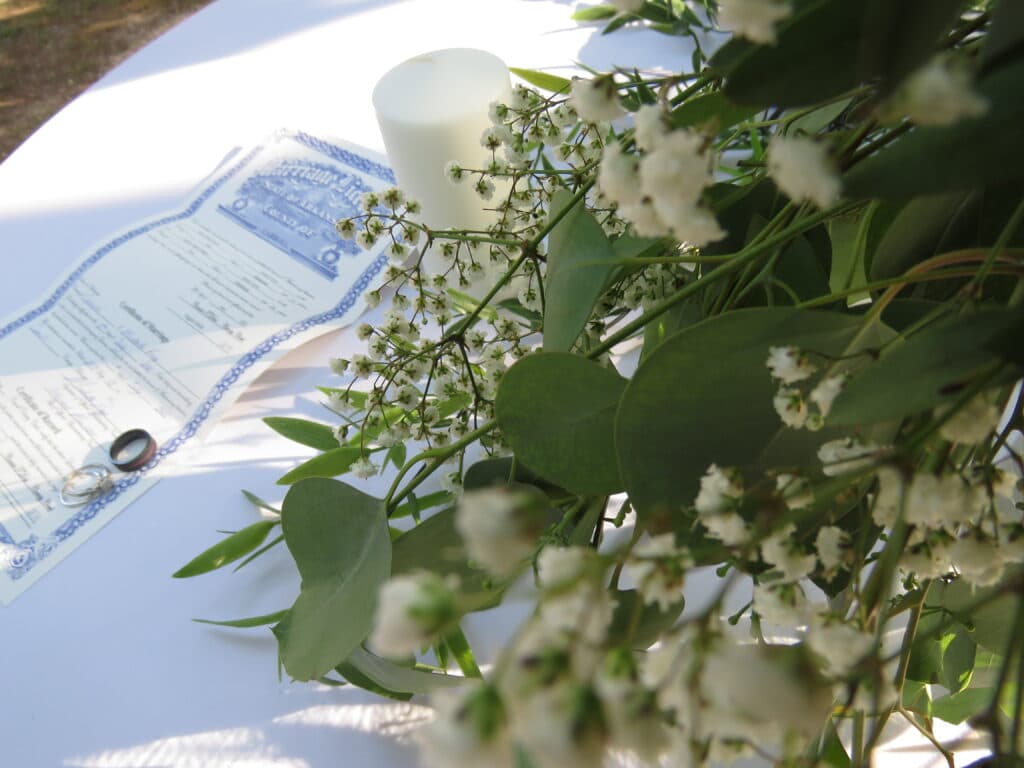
pixel 137 459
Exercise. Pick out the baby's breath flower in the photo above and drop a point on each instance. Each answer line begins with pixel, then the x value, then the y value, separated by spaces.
pixel 781 551
pixel 499 526
pixel 651 126
pixel 469 729
pixel 411 610
pixel 393 197
pixel 363 332
pixel 790 405
pixel 498 112
pixel 831 543
pixel 617 176
pixel 454 172
pixel 363 468
pixel 397 252
pixel 339 365
pixel 366 239
pixel 720 490
pixel 563 116
pixel 972 423
pixel 802 169
pixel 845 455
pixel 939 93
pixel 840 645
pixel 484 188
pixel 659 569
pixel 753 19
pixel 368 201
pixel 595 100
pixel 825 393
pixel 789 365
pixel 346 228
pixel 495 136
pixel 362 366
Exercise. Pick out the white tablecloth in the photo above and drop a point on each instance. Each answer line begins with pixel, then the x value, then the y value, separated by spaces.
pixel 101 663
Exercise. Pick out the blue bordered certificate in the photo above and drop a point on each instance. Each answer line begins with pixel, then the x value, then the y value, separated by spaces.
pixel 165 324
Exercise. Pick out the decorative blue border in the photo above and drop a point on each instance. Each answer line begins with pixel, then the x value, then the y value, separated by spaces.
pixel 32 551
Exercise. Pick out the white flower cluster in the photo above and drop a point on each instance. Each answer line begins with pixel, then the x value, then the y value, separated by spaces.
pixel 968 526
pixel 803 170
pixel 753 19
pixel 939 93
pixel 412 611
pixel 660 190
pixel 500 527
pixel 790 365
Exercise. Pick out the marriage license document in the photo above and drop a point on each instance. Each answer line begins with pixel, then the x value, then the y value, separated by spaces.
pixel 164 324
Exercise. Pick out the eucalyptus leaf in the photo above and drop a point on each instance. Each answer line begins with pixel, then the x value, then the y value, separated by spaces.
pixel 356 677
pixel 594 13
pixel 543 80
pixel 417 504
pixel 252 621
pixel 989 625
pixel 328 464
pixel 971 153
pixel 304 432
pixel 235 546
pixel 398 678
pixel 928 369
pixel 580 260
pixel 556 410
pixel 820 118
pixel 1006 36
pixel 959 707
pixel 920 230
pixel 827 47
pixel 339 539
pixel 669 426
pixel 849 235
pixel 711 109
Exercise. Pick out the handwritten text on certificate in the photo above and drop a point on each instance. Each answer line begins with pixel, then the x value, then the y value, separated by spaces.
pixel 165 324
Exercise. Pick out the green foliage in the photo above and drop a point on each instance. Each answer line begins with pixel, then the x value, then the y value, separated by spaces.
pixel 328 464
pixel 252 621
pixel 392 677
pixel 828 47
pixel 710 109
pixel 234 547
pixel 974 152
pixel 556 410
pixel 668 428
pixel 930 368
pixel 339 539
pixel 319 436
pixel 543 80
pixel 580 261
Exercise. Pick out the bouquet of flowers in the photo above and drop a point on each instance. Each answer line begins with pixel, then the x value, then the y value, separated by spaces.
pixel 759 323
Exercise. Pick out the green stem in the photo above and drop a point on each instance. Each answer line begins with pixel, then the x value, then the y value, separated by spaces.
pixel 738 261
pixel 1008 231
pixel 878 284
pixel 439 456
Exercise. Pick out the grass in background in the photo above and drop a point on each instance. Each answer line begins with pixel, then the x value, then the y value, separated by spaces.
pixel 52 50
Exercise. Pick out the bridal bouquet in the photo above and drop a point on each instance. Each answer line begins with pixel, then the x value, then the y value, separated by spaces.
pixel 758 323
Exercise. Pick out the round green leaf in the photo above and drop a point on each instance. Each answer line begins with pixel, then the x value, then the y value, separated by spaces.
pixel 705 396
pixel 339 539
pixel 556 410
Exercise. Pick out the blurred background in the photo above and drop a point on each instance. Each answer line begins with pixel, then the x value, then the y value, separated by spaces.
pixel 52 50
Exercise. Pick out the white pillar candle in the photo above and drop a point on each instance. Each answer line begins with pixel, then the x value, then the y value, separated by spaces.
pixel 433 109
